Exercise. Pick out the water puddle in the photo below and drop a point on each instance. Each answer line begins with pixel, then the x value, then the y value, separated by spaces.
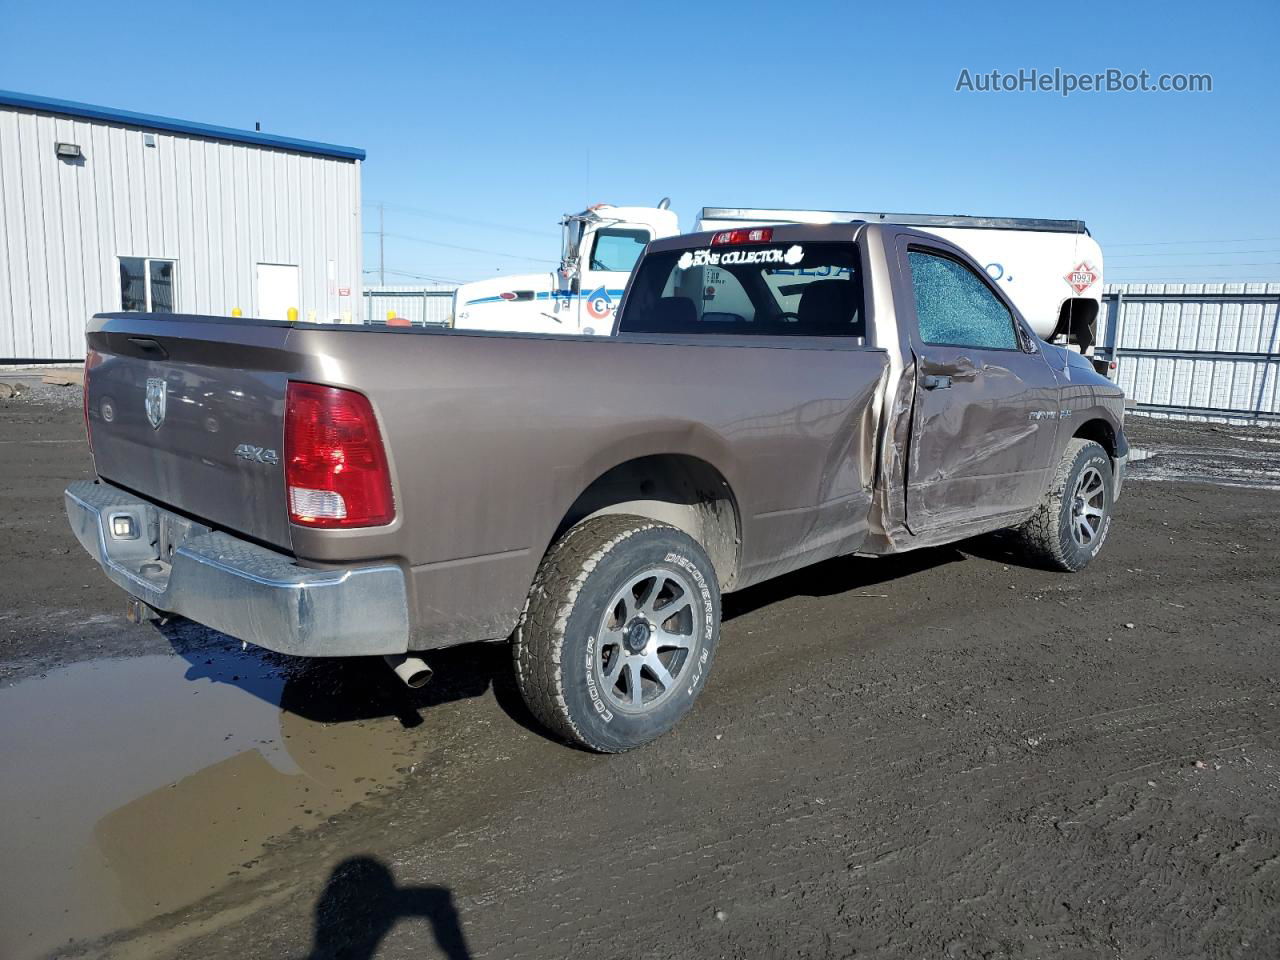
pixel 1222 465
pixel 133 787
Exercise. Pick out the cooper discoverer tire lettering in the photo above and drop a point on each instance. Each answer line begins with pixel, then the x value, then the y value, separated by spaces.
pixel 618 633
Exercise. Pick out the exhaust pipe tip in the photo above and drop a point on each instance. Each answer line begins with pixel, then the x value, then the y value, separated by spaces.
pixel 418 678
pixel 412 671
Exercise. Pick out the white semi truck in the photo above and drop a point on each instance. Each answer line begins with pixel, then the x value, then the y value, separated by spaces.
pixel 1051 269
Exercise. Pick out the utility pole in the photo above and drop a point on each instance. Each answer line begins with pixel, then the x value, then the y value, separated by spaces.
pixel 382 259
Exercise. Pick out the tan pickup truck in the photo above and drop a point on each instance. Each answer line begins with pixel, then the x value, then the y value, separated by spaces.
pixel 772 397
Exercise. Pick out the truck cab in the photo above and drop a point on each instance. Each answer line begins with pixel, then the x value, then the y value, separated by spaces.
pixel 600 247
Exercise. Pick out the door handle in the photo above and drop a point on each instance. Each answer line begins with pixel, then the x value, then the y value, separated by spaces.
pixel 147 345
pixel 935 382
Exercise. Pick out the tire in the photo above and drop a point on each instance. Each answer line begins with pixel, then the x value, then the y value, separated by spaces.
pixel 1054 536
pixel 593 661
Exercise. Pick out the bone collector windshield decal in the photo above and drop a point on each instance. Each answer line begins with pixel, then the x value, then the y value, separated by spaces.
pixel 711 258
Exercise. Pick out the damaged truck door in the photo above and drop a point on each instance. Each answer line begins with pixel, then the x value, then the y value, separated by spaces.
pixel 980 442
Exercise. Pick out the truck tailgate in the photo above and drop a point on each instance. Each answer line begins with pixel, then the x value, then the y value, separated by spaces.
pixel 189 412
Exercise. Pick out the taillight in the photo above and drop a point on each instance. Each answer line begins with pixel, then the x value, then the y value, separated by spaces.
pixel 753 235
pixel 91 359
pixel 335 467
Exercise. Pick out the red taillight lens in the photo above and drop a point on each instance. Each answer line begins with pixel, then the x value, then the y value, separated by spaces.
pixel 91 359
pixel 335 467
pixel 753 235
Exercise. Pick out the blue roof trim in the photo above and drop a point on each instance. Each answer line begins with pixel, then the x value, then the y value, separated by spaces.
pixel 89 112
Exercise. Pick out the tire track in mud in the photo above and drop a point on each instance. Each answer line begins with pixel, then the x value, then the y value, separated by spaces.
pixel 825 853
pixel 858 775
pixel 944 848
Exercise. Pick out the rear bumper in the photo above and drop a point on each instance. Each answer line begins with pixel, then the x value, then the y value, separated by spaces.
pixel 249 592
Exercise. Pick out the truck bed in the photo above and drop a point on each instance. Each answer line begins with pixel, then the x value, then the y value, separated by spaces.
pixel 492 440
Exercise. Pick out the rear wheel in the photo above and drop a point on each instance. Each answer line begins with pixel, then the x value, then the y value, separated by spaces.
pixel 1071 524
pixel 617 638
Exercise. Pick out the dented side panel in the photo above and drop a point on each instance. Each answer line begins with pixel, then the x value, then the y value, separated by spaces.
pixel 833 520
pixel 980 448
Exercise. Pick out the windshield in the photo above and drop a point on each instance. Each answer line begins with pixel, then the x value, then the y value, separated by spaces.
pixel 810 290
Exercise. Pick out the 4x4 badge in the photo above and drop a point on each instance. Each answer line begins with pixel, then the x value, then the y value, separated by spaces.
pixel 157 391
pixel 247 451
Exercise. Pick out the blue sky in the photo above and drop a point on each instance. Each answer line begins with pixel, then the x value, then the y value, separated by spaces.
pixel 485 122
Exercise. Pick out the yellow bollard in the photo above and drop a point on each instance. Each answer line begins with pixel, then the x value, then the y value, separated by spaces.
pixel 235 312
pixel 311 316
pixel 293 314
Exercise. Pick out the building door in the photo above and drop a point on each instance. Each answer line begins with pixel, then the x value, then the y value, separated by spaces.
pixel 277 290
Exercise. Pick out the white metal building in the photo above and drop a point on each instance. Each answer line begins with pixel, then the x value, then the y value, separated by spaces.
pixel 106 210
pixel 1200 350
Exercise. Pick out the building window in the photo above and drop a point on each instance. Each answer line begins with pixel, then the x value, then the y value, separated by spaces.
pixel 146 285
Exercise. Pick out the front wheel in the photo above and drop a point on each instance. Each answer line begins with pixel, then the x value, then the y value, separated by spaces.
pixel 617 637
pixel 1071 524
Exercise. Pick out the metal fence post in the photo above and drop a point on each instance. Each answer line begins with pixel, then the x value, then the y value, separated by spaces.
pixel 1113 329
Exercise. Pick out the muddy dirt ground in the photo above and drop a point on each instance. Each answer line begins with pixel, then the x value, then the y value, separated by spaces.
pixel 940 755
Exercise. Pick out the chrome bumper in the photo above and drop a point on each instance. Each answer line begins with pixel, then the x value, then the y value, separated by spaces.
pixel 239 588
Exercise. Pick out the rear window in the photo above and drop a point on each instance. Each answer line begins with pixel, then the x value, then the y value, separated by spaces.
pixel 801 289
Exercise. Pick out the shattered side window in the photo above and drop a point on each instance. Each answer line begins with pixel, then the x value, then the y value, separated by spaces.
pixel 955 308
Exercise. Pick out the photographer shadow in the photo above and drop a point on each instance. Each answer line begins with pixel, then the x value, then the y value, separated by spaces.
pixel 361 903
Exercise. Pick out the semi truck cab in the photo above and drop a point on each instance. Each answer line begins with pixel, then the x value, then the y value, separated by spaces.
pixel 600 247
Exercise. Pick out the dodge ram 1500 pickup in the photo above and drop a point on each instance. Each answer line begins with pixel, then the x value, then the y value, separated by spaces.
pixel 774 396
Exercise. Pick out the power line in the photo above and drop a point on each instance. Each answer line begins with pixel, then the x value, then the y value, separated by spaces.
pixel 466 221
pixel 1174 243
pixel 413 276
pixel 454 246
pixel 1190 253
pixel 1193 266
